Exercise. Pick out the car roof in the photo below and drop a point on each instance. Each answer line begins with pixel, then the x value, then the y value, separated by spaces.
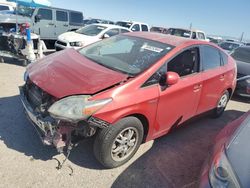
pixel 110 26
pixel 168 39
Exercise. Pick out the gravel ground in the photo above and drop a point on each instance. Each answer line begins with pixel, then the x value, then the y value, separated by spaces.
pixel 174 160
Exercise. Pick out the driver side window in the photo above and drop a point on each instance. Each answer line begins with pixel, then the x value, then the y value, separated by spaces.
pixel 186 63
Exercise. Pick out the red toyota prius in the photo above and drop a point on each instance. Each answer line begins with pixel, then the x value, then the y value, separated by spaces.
pixel 126 90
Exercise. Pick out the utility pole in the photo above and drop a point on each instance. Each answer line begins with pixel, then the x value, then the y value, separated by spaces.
pixel 190 26
pixel 241 37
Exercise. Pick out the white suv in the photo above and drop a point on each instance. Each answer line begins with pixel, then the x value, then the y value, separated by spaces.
pixel 134 26
pixel 7 6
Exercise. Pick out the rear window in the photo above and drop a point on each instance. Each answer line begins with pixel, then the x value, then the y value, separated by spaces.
pixel 242 54
pixel 180 32
pixel 76 18
pixel 124 24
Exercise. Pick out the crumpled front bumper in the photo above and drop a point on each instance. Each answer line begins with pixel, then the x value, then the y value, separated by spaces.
pixel 47 128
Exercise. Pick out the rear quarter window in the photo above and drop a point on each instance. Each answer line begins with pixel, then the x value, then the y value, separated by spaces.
pixel 211 58
pixel 224 58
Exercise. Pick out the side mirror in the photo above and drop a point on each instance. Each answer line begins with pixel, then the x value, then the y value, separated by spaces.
pixel 172 78
pixel 37 18
pixel 105 36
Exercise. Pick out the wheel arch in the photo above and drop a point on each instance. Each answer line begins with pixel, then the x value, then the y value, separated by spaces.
pixel 143 119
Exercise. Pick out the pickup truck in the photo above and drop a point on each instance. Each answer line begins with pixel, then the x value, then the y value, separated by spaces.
pixel 188 33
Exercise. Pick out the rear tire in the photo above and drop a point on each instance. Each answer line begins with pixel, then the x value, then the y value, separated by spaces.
pixel 221 105
pixel 118 143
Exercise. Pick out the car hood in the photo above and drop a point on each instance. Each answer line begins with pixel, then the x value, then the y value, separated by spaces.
pixel 239 154
pixel 76 37
pixel 68 73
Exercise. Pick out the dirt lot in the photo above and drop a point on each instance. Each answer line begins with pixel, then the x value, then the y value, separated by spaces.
pixel 174 160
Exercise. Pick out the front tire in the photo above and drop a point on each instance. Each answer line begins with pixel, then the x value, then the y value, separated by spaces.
pixel 118 143
pixel 221 105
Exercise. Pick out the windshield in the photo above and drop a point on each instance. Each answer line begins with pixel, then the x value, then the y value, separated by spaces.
pixel 124 24
pixel 180 32
pixel 24 11
pixel 242 54
pixel 91 30
pixel 228 46
pixel 126 54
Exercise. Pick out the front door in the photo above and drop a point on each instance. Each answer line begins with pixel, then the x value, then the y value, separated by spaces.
pixel 44 24
pixel 179 102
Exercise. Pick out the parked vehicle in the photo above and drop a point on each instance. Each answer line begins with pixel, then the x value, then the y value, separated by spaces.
pixel 96 21
pixel 229 46
pixel 159 30
pixel 214 39
pixel 229 164
pixel 87 35
pixel 47 22
pixel 188 33
pixel 127 89
pixel 134 26
pixel 242 57
pixel 6 6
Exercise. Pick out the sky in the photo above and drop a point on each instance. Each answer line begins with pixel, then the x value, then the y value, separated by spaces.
pixel 217 17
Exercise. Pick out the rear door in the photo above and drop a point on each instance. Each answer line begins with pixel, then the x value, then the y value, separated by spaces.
pixel 62 22
pixel 45 26
pixel 179 102
pixel 213 75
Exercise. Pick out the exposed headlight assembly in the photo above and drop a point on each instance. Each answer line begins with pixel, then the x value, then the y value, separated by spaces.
pixel 76 44
pixel 76 108
pixel 221 174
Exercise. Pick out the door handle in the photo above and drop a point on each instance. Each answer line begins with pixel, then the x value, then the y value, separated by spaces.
pixel 197 87
pixel 65 25
pixel 51 24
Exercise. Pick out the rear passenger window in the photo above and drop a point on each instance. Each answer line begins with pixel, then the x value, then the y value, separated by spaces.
pixel 76 18
pixel 45 14
pixel 210 58
pixel 144 28
pixel 61 16
pixel 136 27
pixel 224 58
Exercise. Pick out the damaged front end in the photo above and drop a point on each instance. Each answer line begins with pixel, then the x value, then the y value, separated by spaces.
pixel 58 124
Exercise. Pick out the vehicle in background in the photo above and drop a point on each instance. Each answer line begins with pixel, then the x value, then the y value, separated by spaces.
pixel 7 7
pixel 119 88
pixel 229 164
pixel 159 30
pixel 47 22
pixel 247 44
pixel 188 33
pixel 229 46
pixel 87 35
pixel 242 57
pixel 215 40
pixel 133 26
pixel 96 21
